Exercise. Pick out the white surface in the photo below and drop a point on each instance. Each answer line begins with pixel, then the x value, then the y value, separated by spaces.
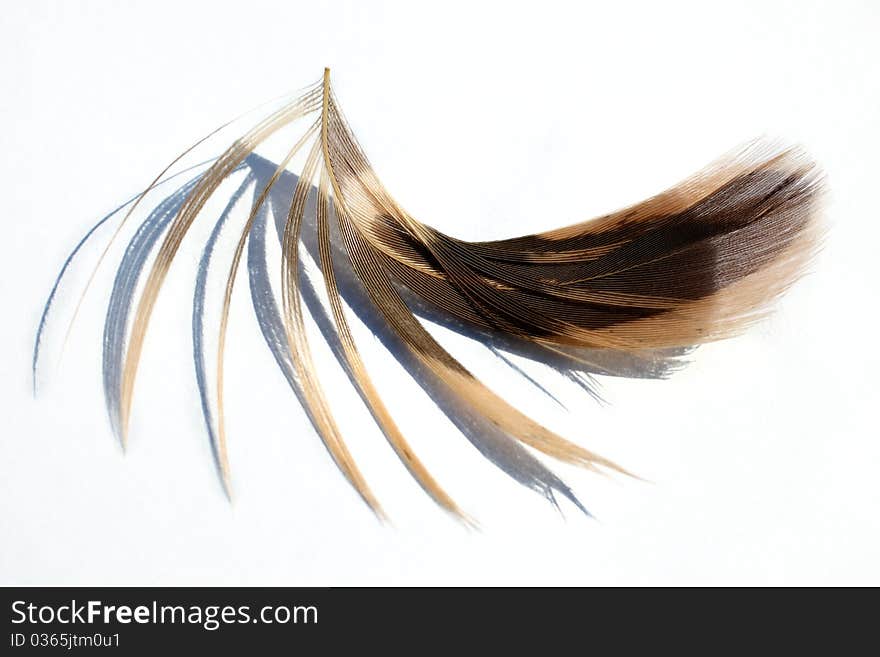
pixel 763 454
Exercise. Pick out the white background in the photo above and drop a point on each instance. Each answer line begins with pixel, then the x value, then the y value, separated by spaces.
pixel 763 455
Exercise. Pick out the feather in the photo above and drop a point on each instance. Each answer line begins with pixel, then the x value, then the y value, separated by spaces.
pixel 626 294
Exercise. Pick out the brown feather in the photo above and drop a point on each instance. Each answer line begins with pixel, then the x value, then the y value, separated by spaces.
pixel 696 263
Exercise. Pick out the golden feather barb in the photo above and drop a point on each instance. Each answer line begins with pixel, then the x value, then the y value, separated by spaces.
pixel 696 263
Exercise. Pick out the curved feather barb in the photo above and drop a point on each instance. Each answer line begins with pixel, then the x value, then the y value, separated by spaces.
pixel 626 294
